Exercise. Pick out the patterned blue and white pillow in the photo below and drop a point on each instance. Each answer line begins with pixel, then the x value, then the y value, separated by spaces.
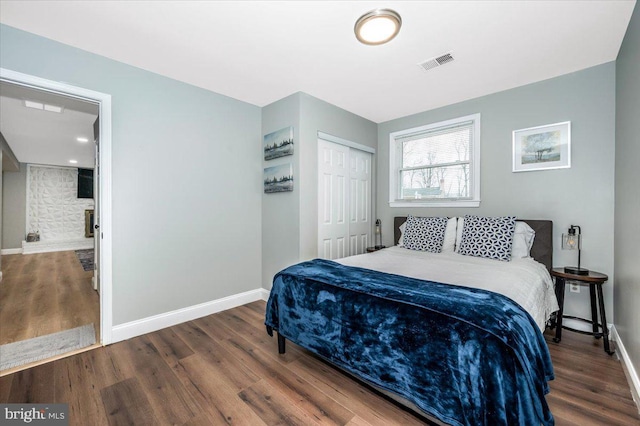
pixel 489 237
pixel 425 233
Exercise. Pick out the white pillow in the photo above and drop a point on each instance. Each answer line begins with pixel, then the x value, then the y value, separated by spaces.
pixel 449 235
pixel 460 225
pixel 523 238
pixel 401 239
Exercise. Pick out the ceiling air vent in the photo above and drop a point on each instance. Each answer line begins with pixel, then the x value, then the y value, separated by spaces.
pixel 436 62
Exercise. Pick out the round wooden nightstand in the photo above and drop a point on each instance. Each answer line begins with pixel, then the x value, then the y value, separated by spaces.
pixel 594 280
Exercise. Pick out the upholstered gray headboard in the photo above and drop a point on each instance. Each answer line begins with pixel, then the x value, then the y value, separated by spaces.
pixel 542 249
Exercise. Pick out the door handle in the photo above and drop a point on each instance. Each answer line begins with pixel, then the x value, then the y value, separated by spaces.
pixel 96 226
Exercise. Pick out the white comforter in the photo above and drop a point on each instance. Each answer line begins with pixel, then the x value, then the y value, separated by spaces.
pixel 524 281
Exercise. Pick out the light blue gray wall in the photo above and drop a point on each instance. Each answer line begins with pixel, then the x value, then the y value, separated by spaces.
pixel 582 195
pixel 186 179
pixel 290 220
pixel 627 205
pixel 14 207
pixel 280 212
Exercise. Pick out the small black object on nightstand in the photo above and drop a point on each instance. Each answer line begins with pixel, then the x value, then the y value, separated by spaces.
pixel 376 248
pixel 594 280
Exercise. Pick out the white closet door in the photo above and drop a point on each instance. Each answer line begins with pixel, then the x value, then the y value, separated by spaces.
pixel 359 201
pixel 332 200
pixel 344 200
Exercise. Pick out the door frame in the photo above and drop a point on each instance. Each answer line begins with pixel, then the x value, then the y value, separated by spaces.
pixel 104 104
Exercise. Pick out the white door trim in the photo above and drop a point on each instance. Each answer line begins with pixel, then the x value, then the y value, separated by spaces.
pixel 345 142
pixel 104 103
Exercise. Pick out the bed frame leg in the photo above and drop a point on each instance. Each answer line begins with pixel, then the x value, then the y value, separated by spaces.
pixel 281 344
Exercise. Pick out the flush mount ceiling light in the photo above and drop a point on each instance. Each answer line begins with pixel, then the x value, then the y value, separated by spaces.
pixel 378 26
pixel 82 140
pixel 73 161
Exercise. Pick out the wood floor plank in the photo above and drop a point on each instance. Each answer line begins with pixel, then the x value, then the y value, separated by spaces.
pixel 300 392
pixel 171 403
pixel 75 385
pixel 357 421
pixel 373 408
pixel 5 387
pixel 274 408
pixel 32 385
pixel 224 326
pixel 170 346
pixel 126 403
pixel 212 391
pixel 236 374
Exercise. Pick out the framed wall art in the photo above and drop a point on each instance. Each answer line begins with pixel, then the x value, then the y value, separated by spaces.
pixel 542 147
pixel 278 144
pixel 278 179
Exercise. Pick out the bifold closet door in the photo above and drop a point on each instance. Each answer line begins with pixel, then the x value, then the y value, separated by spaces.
pixel 344 200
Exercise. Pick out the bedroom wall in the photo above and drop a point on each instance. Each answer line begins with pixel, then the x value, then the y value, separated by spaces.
pixel 581 195
pixel 627 198
pixel 290 220
pixel 14 208
pixel 280 213
pixel 186 179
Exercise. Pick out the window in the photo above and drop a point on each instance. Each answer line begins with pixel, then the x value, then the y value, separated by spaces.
pixel 436 165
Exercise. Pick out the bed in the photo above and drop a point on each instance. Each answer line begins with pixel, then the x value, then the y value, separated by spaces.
pixel 431 330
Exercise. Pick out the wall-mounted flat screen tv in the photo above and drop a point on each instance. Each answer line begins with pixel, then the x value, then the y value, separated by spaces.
pixel 85 183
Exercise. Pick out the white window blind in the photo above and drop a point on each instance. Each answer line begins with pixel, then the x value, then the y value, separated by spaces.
pixel 436 164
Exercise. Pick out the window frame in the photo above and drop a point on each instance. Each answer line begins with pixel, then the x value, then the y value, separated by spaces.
pixel 395 165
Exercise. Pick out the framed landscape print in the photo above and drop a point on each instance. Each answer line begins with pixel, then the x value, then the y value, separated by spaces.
pixel 278 144
pixel 542 147
pixel 278 179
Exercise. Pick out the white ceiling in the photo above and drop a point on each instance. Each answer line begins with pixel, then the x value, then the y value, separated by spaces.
pixel 260 52
pixel 42 137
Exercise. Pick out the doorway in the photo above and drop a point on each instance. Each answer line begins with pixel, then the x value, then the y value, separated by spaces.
pixel 344 200
pixel 100 211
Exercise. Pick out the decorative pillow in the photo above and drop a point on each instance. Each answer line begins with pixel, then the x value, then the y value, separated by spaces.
pixel 523 237
pixel 450 235
pixel 489 237
pixel 401 239
pixel 425 233
pixel 460 226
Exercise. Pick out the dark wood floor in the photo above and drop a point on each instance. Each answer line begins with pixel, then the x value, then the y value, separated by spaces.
pixel 225 369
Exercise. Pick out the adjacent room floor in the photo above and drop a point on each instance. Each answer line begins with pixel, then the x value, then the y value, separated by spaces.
pixel 224 368
pixel 45 293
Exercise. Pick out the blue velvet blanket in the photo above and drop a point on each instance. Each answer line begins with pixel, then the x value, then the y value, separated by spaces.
pixel 465 356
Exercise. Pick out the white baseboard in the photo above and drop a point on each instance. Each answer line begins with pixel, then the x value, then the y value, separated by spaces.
pixel 147 325
pixel 11 251
pixel 56 245
pixel 632 373
pixel 265 294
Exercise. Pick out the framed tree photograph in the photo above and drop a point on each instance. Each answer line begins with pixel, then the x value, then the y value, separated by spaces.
pixel 278 144
pixel 542 147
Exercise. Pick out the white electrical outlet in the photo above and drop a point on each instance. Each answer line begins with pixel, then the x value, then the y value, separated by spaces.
pixel 574 287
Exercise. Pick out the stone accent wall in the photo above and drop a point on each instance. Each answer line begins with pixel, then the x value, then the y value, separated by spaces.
pixel 53 208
